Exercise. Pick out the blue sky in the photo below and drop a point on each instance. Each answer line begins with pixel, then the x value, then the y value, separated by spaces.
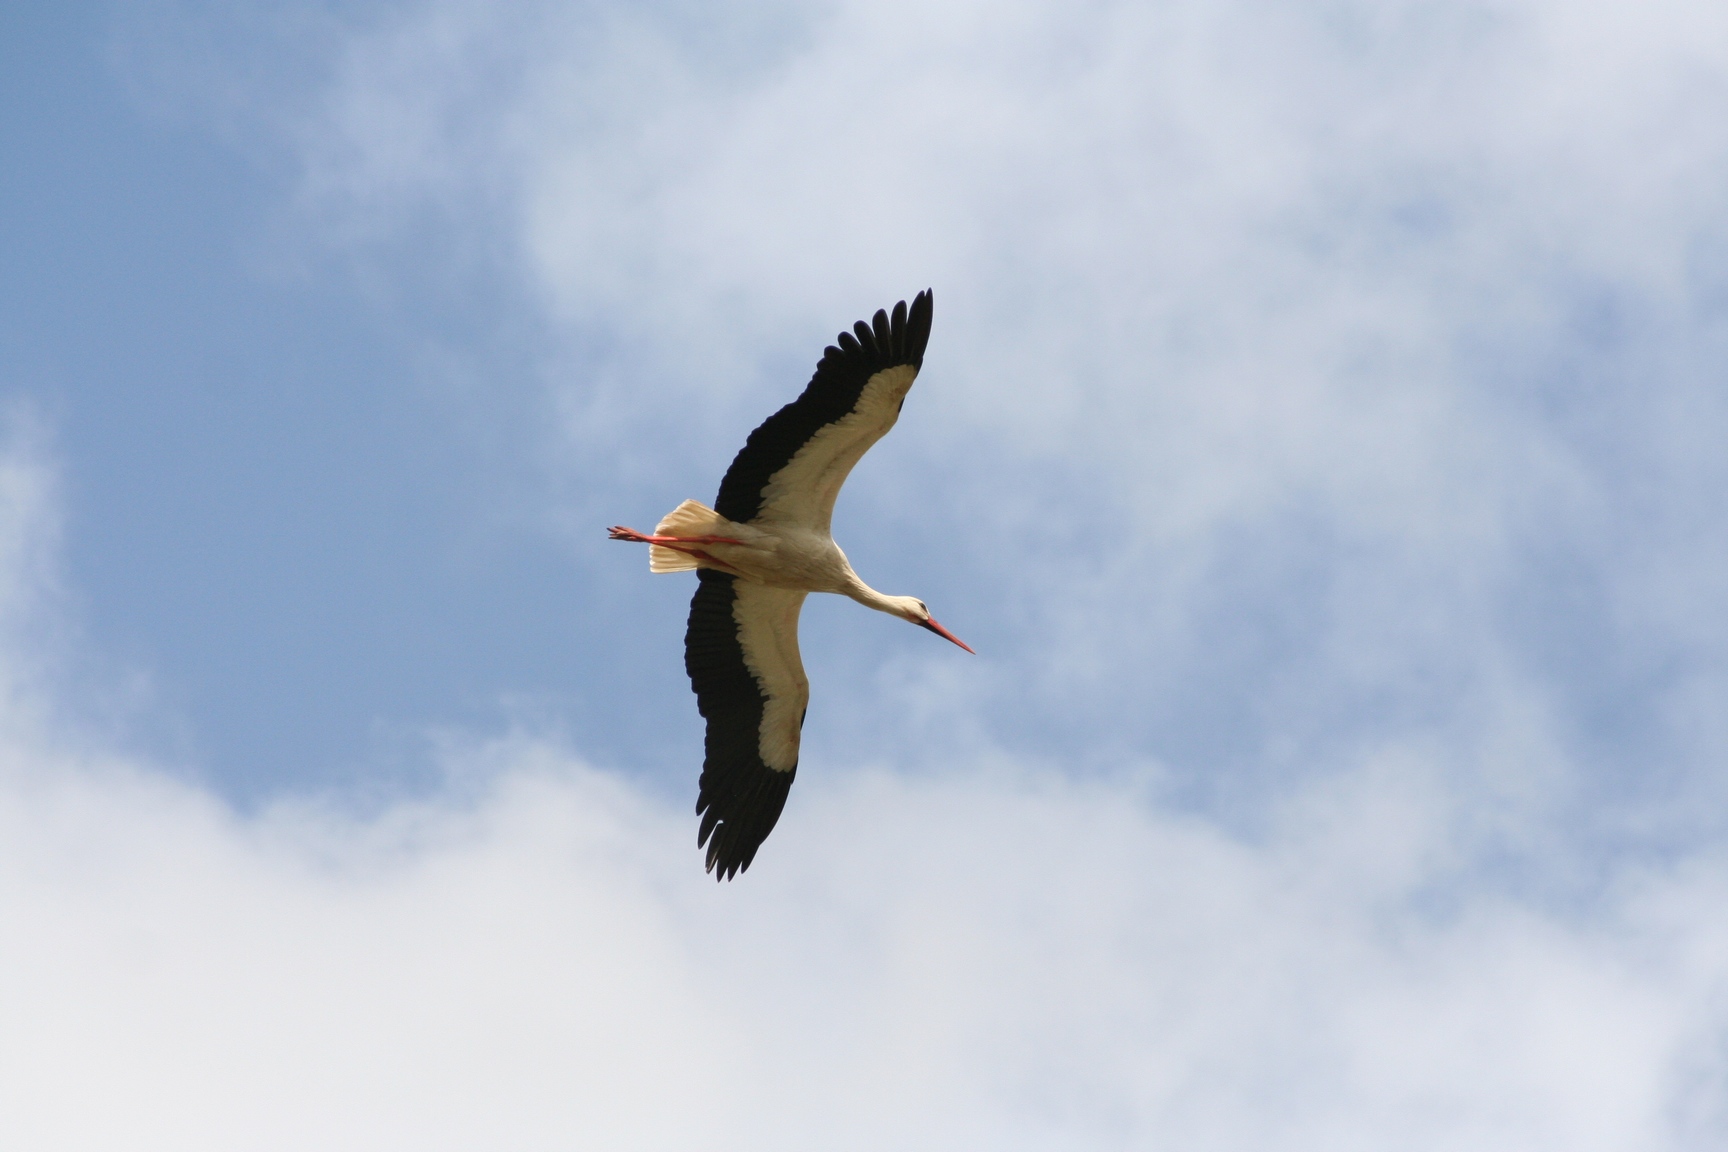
pixel 1320 441
pixel 272 492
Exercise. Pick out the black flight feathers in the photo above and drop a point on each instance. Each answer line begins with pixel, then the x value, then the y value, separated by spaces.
pixel 739 797
pixel 832 392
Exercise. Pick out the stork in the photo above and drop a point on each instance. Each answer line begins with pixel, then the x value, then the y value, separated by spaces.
pixel 758 552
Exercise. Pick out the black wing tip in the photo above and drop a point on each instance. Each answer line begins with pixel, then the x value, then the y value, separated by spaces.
pixel 752 809
pixel 918 325
pixel 885 341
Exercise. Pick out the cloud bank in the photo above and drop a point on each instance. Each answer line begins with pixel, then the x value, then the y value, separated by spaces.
pixel 999 956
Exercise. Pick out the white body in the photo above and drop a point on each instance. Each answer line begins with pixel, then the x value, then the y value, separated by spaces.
pixel 796 557
pixel 788 552
pixel 788 545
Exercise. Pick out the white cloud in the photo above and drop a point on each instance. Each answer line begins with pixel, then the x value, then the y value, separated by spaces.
pixel 993 956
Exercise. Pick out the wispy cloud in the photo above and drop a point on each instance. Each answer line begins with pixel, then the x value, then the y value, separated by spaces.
pixel 1305 376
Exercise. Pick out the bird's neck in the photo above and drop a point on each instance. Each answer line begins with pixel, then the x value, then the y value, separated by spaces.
pixel 870 598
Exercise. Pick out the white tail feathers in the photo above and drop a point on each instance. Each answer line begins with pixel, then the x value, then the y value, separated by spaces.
pixel 688 519
pixel 670 560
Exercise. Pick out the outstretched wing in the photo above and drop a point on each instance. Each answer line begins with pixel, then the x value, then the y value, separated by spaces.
pixel 792 467
pixel 741 650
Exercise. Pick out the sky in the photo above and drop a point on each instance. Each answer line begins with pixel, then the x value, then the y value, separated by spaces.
pixel 1319 440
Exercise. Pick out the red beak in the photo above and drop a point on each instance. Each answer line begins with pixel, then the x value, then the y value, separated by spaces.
pixel 945 634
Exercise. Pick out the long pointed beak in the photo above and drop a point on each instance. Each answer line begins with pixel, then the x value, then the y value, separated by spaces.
pixel 945 634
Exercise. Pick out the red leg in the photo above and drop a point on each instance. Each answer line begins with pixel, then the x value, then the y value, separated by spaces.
pixel 619 532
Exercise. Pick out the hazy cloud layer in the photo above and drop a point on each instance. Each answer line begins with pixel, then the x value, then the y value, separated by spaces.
pixel 1321 439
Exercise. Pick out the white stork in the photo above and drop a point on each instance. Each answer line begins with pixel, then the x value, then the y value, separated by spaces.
pixel 758 552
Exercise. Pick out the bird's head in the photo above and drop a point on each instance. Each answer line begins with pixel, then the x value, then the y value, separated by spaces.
pixel 911 608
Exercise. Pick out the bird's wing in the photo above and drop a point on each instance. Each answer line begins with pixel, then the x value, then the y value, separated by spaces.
pixel 792 467
pixel 741 650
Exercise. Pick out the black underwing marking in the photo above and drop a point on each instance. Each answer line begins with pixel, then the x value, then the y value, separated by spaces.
pixel 739 797
pixel 846 366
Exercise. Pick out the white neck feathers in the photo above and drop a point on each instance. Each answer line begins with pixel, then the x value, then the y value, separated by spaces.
pixel 904 607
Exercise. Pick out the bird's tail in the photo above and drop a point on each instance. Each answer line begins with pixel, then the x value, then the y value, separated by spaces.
pixel 688 519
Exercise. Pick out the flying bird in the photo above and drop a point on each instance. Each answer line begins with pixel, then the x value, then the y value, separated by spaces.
pixel 758 552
